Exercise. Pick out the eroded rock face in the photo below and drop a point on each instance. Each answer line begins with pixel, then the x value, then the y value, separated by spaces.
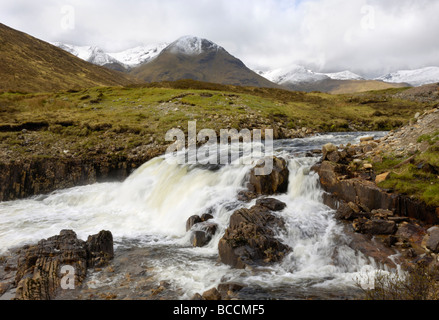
pixel 274 181
pixel 39 271
pixel 335 180
pixel 250 238
pixel 22 178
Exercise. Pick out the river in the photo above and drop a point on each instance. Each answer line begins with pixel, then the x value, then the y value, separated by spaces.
pixel 147 216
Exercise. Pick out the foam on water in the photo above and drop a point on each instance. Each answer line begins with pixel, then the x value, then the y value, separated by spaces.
pixel 151 208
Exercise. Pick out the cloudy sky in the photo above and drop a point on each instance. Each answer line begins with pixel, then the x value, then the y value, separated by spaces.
pixel 369 37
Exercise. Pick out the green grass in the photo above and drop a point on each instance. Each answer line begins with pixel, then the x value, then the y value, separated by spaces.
pixel 123 118
pixel 419 179
pixel 430 138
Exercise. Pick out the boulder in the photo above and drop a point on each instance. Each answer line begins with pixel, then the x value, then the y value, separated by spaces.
pixel 334 156
pixel 374 226
pixel 193 220
pixel 229 290
pixel 274 181
pixel 349 211
pixel 250 238
pixel 328 148
pixel 433 239
pixel 199 238
pixel 212 295
pixel 40 267
pixel 272 204
pixel 206 217
pixel 99 249
pixel 410 232
pixel 203 233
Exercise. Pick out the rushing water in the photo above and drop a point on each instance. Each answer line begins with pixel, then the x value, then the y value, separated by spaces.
pixel 150 209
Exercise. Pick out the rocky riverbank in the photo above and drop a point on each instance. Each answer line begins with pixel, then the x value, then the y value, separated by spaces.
pixel 38 272
pixel 352 177
pixel 386 225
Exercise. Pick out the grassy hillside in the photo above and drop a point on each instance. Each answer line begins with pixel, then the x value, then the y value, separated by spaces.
pixel 344 86
pixel 120 120
pixel 32 65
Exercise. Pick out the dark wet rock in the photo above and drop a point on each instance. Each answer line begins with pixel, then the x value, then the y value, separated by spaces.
pixel 203 233
pixel 350 211
pixel 246 196
pixel 230 286
pixel 374 248
pixel 100 249
pixel 333 156
pixel 229 290
pixel 206 217
pixel 250 238
pixel 212 295
pixel 374 226
pixel 193 220
pixel 199 238
pixel 270 181
pixel 272 204
pixel 202 229
pixel 197 297
pixel 410 232
pixel 39 270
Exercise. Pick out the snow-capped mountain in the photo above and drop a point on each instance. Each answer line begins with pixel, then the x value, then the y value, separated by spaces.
pixel 138 55
pixel 126 59
pixel 191 46
pixel 199 59
pixel 344 75
pixel 417 77
pixel 298 74
pixel 91 54
pixel 293 74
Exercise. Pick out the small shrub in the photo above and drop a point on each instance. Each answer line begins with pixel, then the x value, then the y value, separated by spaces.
pixel 419 282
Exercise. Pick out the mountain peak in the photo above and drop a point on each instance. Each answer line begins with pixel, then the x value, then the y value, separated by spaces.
pixel 191 45
pixel 416 77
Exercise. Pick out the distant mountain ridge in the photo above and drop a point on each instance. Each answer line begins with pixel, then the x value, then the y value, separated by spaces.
pixel 416 77
pixel 120 61
pixel 294 77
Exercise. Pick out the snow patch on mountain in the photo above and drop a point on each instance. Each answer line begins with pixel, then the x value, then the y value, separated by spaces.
pixel 139 55
pixel 300 74
pixel 190 45
pixel 344 75
pixel 293 74
pixel 91 54
pixel 417 77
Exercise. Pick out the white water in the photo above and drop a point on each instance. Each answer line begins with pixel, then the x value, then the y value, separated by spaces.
pixel 151 208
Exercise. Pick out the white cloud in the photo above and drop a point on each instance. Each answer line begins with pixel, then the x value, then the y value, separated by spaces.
pixel 366 36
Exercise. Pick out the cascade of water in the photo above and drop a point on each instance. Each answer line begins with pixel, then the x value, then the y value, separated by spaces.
pixel 153 204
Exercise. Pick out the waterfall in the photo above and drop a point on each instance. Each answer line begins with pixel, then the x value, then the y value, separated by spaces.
pixel 151 207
